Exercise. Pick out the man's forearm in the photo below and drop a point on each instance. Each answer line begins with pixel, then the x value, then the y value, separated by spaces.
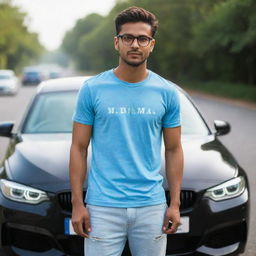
pixel 174 173
pixel 77 172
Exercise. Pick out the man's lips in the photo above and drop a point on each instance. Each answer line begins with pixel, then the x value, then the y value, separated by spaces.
pixel 134 53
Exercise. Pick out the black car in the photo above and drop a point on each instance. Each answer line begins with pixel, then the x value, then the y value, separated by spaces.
pixel 35 198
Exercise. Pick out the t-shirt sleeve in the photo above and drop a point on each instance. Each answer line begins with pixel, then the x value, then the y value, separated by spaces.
pixel 84 112
pixel 172 116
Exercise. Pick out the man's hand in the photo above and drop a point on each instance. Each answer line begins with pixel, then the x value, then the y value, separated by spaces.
pixel 81 220
pixel 172 215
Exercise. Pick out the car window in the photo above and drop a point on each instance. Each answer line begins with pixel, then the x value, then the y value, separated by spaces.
pixel 52 112
pixel 191 121
pixel 3 77
pixel 32 73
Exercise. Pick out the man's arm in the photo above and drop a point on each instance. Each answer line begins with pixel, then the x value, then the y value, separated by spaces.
pixel 174 173
pixel 77 171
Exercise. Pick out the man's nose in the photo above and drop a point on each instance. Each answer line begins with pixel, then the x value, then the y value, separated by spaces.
pixel 135 43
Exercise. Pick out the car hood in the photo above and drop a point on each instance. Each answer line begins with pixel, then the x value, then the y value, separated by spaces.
pixel 7 83
pixel 42 161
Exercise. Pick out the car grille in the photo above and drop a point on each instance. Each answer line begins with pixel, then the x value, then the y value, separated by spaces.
pixel 64 200
pixel 187 199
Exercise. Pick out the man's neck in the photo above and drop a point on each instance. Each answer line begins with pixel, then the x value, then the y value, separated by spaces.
pixel 131 74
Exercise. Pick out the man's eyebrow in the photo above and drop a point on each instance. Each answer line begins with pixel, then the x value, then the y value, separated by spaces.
pixel 127 34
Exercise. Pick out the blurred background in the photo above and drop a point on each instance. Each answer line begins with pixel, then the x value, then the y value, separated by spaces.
pixel 208 47
pixel 204 45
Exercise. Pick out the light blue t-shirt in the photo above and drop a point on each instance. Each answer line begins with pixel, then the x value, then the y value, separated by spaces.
pixel 127 120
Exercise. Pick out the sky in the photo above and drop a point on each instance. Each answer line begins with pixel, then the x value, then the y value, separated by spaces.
pixel 52 18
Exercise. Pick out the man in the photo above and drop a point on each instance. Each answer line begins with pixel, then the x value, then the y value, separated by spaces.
pixel 125 111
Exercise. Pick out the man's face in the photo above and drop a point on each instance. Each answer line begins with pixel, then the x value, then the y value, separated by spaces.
pixel 134 54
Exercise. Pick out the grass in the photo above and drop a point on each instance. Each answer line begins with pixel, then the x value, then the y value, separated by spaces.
pixel 230 90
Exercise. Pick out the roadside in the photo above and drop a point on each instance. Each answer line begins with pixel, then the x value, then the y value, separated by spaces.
pixel 230 90
pixel 236 102
pixel 240 141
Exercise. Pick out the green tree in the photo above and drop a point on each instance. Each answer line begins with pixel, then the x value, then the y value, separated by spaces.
pixel 226 41
pixel 172 55
pixel 73 37
pixel 96 49
pixel 17 45
pixel 204 40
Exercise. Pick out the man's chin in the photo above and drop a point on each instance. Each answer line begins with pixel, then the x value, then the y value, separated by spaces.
pixel 134 63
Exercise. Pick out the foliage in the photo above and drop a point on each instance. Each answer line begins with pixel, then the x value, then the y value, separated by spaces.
pixel 72 39
pixel 227 39
pixel 17 45
pixel 199 40
pixel 220 88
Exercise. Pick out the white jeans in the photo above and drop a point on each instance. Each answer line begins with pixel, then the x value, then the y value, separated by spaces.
pixel 112 226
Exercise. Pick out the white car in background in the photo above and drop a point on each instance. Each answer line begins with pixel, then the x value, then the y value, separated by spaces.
pixel 8 82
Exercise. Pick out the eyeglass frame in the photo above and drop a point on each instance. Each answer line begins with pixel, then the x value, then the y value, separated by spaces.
pixel 135 37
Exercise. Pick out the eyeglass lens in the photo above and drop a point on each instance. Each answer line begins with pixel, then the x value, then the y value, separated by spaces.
pixel 142 40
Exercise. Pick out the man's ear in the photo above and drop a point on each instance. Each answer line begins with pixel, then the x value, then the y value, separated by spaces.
pixel 116 43
pixel 152 44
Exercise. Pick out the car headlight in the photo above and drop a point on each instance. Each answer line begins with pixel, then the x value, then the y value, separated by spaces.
pixel 22 193
pixel 227 190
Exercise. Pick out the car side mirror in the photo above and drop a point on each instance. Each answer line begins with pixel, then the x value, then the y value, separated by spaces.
pixel 222 127
pixel 6 128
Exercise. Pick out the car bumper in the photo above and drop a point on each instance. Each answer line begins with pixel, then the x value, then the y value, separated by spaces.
pixel 8 90
pixel 31 81
pixel 216 228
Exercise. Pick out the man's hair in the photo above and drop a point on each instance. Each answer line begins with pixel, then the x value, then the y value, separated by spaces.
pixel 136 14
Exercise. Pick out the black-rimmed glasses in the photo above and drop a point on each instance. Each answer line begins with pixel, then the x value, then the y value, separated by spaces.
pixel 129 39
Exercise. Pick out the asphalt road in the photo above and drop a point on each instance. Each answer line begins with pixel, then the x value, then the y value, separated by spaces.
pixel 241 141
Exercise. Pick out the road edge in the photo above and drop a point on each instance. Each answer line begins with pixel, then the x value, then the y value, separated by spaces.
pixel 240 103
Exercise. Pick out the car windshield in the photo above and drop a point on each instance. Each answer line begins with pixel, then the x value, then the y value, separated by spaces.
pixel 4 77
pixel 32 73
pixel 52 113
pixel 191 122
